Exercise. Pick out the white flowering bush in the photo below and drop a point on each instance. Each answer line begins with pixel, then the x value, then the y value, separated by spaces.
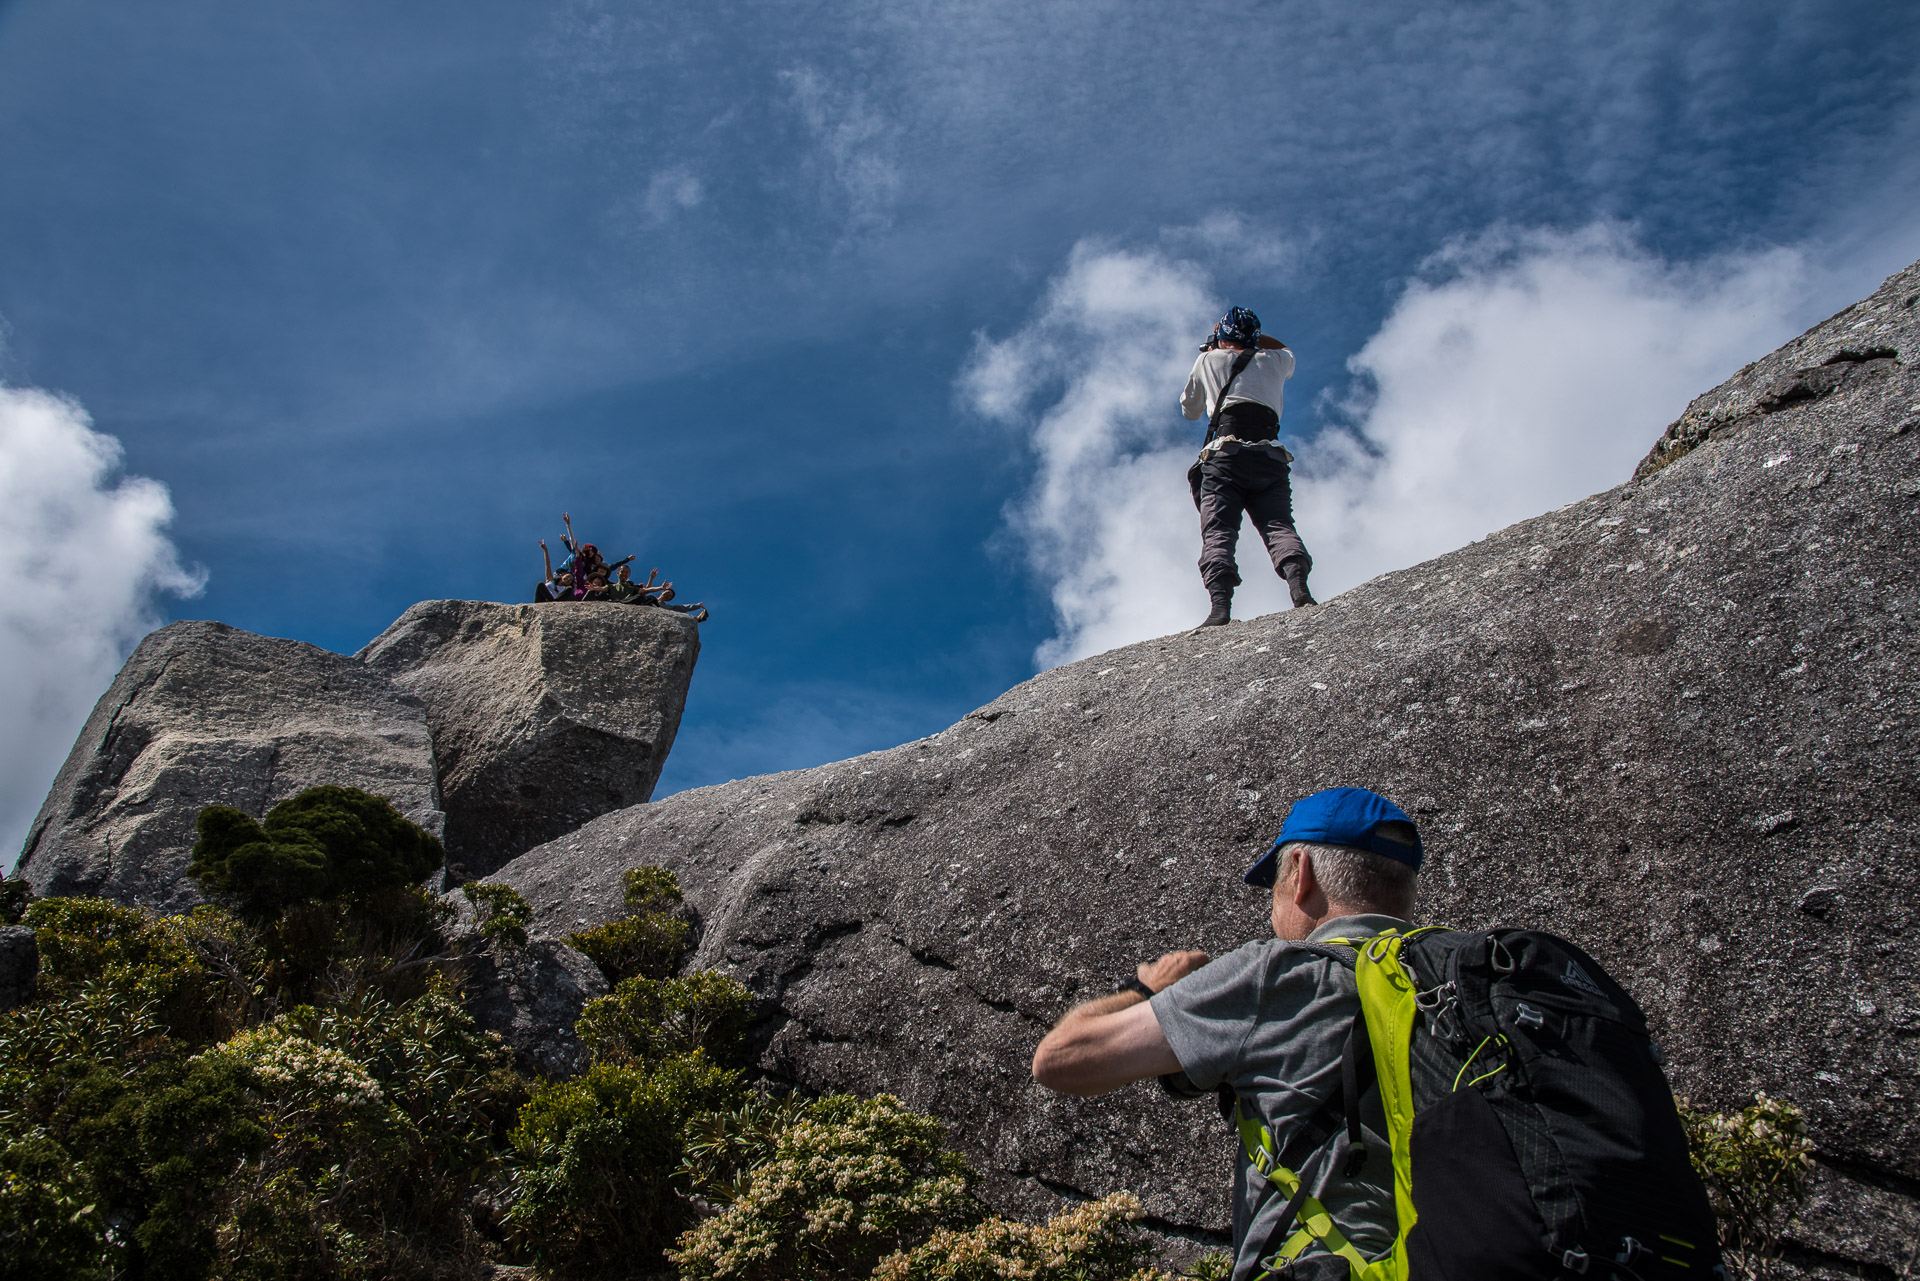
pixel 1092 1242
pixel 1757 1164
pixel 301 1076
pixel 852 1181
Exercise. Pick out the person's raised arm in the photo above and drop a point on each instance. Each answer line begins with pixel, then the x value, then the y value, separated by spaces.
pixel 1269 343
pixel 546 560
pixel 1193 401
pixel 1115 1040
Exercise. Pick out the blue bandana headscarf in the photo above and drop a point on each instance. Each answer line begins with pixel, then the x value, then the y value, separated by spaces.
pixel 1238 326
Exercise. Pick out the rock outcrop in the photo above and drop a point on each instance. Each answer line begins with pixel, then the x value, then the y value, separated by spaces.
pixel 531 996
pixel 19 965
pixel 543 717
pixel 1676 721
pixel 204 713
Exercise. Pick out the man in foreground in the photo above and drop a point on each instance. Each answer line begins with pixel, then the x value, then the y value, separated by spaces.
pixel 1270 1021
pixel 1237 384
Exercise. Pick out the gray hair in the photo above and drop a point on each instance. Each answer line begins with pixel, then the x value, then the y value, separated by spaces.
pixel 1356 878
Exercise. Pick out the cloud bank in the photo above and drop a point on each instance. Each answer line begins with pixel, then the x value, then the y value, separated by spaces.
pixel 82 554
pixel 1520 370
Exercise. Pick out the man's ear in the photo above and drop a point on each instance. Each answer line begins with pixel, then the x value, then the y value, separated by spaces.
pixel 1304 881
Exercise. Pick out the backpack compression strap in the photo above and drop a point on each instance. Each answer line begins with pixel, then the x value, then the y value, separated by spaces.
pixel 1387 1012
pixel 1315 1223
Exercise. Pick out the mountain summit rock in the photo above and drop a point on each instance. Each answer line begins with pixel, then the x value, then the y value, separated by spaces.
pixel 1676 722
pixel 496 726
pixel 543 716
pixel 206 714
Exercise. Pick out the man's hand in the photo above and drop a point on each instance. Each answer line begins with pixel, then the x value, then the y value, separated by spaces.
pixel 1170 969
pixel 1115 1040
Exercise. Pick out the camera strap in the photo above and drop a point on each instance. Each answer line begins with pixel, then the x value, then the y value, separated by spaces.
pixel 1240 363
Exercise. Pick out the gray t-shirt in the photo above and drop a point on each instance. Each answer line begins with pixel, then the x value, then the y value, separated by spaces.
pixel 1271 1020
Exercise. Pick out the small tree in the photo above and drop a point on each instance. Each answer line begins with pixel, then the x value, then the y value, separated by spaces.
pixel 325 843
pixel 331 880
pixel 503 915
pixel 647 942
pixel 1757 1164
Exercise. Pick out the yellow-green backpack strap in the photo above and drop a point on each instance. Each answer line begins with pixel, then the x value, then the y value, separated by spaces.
pixel 1315 1222
pixel 1387 1002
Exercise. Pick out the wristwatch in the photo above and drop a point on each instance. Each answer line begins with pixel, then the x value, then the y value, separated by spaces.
pixel 1133 984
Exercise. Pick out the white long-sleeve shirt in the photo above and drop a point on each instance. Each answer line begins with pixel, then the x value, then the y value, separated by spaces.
pixel 1263 381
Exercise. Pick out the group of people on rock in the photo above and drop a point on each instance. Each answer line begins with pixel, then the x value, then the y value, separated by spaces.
pixel 586 575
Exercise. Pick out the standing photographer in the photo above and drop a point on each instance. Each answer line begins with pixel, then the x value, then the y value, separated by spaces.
pixel 1238 382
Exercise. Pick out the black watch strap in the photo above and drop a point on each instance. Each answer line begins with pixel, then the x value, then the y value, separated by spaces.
pixel 1133 984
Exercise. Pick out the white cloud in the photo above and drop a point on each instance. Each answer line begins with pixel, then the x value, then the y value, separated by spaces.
pixel 673 191
pixel 81 555
pixel 1521 371
pixel 1528 370
pixel 1107 518
pixel 859 144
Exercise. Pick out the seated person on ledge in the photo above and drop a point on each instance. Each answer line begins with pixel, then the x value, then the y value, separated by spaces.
pixel 554 586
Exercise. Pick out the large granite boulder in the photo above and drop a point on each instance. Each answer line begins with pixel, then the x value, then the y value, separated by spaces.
pixel 1676 722
pixel 543 716
pixel 202 714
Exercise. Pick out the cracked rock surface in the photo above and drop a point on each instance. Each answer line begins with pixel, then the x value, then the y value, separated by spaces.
pixel 206 714
pixel 1675 722
pixel 543 716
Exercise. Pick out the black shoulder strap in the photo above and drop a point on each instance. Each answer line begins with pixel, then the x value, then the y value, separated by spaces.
pixel 1240 363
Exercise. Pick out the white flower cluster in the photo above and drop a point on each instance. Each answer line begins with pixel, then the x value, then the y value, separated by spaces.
pixel 297 1070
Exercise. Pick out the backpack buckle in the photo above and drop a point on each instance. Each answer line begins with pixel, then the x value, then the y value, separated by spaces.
pixel 1575 1260
pixel 1631 1252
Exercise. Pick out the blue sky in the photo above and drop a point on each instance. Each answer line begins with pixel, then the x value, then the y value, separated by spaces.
pixel 376 290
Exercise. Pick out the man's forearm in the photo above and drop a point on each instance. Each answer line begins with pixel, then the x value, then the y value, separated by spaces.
pixel 1110 1004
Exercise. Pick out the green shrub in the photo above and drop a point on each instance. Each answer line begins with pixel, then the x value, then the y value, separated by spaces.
pixel 314 1201
pixel 722 1148
pixel 50 1227
pixel 452 1081
pixel 646 1018
pixel 127 1128
pixel 504 915
pixel 853 1181
pixel 650 940
pixel 325 843
pixel 198 973
pixel 651 889
pixel 593 1188
pixel 649 945
pixel 1092 1242
pixel 1757 1164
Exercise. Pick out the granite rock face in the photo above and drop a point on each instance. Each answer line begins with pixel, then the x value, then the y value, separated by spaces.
pixel 19 965
pixel 1676 722
pixel 202 714
pixel 531 996
pixel 543 716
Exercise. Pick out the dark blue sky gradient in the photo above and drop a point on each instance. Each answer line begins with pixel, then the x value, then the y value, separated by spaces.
pixel 378 289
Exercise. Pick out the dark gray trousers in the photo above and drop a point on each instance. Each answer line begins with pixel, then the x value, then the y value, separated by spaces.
pixel 1241 479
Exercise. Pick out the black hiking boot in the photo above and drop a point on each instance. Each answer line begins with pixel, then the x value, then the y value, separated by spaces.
pixel 1222 610
pixel 1296 575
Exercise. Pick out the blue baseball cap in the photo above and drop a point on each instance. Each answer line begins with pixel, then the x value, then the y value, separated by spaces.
pixel 1340 816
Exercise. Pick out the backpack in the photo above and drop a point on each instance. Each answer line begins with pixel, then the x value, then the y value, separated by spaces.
pixel 1533 1132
